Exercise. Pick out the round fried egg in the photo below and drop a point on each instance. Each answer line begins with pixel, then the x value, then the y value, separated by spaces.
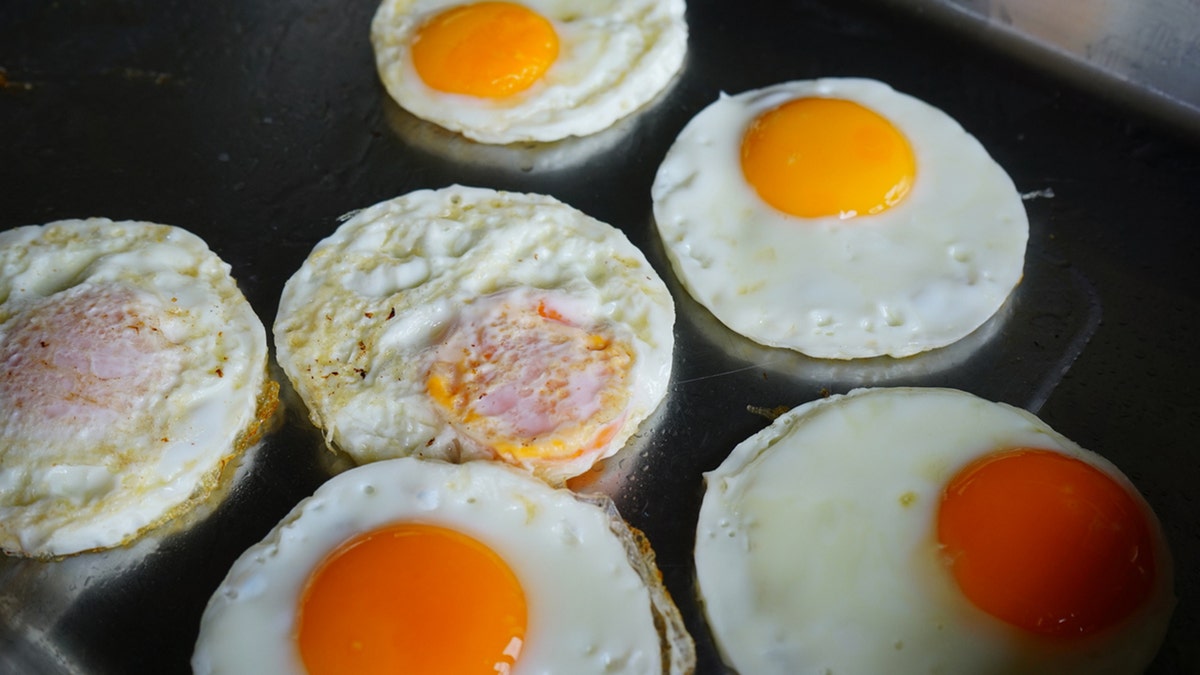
pixel 839 218
pixel 133 370
pixel 419 566
pixel 927 530
pixel 539 70
pixel 465 323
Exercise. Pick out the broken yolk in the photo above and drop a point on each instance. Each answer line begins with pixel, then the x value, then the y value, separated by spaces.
pixel 1047 542
pixel 411 598
pixel 526 382
pixel 818 157
pixel 485 49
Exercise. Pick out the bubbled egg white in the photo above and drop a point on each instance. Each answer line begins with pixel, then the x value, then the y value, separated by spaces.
pixel 465 323
pixel 585 604
pixel 608 60
pixel 133 370
pixel 926 266
pixel 831 541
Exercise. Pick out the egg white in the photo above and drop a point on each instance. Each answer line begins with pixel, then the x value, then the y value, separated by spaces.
pixel 89 468
pixel 590 609
pixel 614 58
pixel 816 545
pixel 360 321
pixel 920 275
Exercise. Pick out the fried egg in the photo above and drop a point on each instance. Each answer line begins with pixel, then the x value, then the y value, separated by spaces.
pixel 465 323
pixel 539 70
pixel 839 218
pixel 420 566
pixel 927 530
pixel 133 370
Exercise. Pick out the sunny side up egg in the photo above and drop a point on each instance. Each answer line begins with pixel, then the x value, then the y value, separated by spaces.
pixel 465 323
pixel 133 370
pixel 419 566
pixel 539 70
pixel 928 531
pixel 839 218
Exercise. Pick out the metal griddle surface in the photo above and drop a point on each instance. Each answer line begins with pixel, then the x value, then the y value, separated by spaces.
pixel 256 125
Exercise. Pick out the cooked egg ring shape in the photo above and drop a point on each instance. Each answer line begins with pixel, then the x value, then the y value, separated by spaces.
pixel 839 218
pixel 134 370
pixel 388 556
pixel 465 323
pixel 909 530
pixel 502 72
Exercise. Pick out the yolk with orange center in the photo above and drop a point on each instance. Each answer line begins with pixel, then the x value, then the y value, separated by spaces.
pixel 411 598
pixel 817 157
pixel 485 49
pixel 1046 542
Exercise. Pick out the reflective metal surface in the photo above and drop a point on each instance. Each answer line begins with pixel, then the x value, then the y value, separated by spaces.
pixel 257 125
pixel 1146 51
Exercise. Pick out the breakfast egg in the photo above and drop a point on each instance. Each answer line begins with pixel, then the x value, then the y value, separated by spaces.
pixel 420 566
pixel 133 371
pixel 839 218
pixel 466 323
pixel 927 531
pixel 539 70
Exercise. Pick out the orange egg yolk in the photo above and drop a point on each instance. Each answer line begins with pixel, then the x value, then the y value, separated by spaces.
pixel 486 49
pixel 528 383
pixel 411 598
pixel 817 157
pixel 1046 542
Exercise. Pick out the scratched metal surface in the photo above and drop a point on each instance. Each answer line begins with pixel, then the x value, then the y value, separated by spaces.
pixel 257 124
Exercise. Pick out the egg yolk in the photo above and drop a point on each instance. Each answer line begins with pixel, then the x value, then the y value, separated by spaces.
pixel 79 362
pixel 526 382
pixel 817 157
pixel 1046 542
pixel 486 49
pixel 411 598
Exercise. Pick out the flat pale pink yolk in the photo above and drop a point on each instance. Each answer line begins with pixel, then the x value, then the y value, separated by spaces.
pixel 818 157
pixel 527 383
pixel 83 360
pixel 485 49
pixel 1047 542
pixel 411 598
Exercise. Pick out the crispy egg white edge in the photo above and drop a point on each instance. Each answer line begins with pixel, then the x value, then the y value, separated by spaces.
pixel 930 617
pixel 217 410
pixel 638 49
pixel 416 255
pixel 248 627
pixel 732 251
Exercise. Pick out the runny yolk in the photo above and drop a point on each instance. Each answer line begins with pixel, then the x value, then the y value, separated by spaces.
pixel 518 377
pixel 817 157
pixel 485 49
pixel 1046 542
pixel 411 598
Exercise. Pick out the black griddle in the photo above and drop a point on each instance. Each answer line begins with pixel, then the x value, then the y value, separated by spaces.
pixel 256 125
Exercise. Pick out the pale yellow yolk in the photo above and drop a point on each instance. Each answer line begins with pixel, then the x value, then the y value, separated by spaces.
pixel 83 360
pixel 1046 542
pixel 528 384
pixel 486 49
pixel 816 157
pixel 411 598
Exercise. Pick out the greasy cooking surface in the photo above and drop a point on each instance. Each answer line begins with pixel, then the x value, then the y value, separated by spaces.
pixel 256 125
